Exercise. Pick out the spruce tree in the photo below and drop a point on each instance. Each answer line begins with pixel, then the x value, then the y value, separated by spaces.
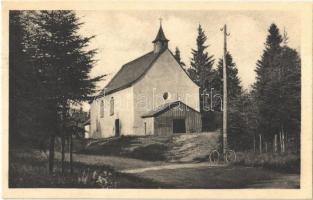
pixel 288 87
pixel 277 88
pixel 63 63
pixel 17 59
pixel 233 81
pixel 26 123
pixel 201 65
pixel 264 87
pixel 178 58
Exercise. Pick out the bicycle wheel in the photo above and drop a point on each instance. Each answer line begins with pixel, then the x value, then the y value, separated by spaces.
pixel 214 156
pixel 230 156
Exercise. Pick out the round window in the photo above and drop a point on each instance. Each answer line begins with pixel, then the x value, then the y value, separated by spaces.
pixel 165 95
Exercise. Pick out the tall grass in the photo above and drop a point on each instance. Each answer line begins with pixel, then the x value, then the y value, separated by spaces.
pixel 31 172
pixel 29 169
pixel 288 162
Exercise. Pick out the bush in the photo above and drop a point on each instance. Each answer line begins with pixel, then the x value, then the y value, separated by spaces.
pixel 288 162
pixel 28 168
pixel 152 152
pixel 26 173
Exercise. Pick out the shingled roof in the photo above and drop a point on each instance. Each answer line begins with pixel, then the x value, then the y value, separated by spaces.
pixel 160 36
pixel 130 73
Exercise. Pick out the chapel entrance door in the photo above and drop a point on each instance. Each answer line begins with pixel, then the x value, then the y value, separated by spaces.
pixel 117 127
pixel 179 126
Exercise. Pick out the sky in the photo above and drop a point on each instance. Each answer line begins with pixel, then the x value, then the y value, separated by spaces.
pixel 122 36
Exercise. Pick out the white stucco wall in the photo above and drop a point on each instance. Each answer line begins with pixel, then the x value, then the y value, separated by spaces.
pixel 87 131
pixel 164 76
pixel 123 110
pixel 146 94
pixel 149 125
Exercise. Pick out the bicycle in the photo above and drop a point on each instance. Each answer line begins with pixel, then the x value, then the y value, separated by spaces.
pixel 229 156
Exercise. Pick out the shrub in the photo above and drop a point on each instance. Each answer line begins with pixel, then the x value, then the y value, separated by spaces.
pixel 288 162
pixel 27 171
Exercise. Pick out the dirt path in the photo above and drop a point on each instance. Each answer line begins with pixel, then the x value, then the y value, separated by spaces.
pixel 192 175
pixel 195 175
pixel 172 166
pixel 204 176
pixel 118 163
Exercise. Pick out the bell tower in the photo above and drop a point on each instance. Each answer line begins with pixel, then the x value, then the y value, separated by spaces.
pixel 160 42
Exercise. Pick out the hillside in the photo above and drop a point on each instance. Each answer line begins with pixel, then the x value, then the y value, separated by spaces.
pixel 172 148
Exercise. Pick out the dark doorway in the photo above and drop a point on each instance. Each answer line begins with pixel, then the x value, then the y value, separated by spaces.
pixel 179 126
pixel 117 127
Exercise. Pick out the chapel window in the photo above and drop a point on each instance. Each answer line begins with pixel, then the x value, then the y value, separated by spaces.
pixel 102 109
pixel 112 106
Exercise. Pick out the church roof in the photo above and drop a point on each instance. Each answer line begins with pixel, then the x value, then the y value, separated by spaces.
pixel 160 36
pixel 130 73
pixel 163 108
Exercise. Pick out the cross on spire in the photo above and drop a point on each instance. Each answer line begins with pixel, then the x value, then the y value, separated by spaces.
pixel 160 21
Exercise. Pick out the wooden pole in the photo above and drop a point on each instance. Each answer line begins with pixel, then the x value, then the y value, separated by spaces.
pixel 63 143
pixel 253 144
pixel 280 142
pixel 275 143
pixel 283 139
pixel 211 99
pixel 286 140
pixel 260 143
pixel 225 91
pixel 71 153
pixel 51 153
pixel 62 153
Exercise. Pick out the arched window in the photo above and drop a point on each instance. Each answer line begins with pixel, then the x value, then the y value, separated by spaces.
pixel 112 106
pixel 102 109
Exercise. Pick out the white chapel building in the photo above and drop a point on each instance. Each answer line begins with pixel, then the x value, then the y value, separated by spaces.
pixel 151 95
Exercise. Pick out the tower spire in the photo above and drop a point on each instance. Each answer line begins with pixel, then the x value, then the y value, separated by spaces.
pixel 160 42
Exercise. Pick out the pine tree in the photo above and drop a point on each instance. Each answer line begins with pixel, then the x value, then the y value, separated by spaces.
pixel 288 84
pixel 233 81
pixel 17 60
pixel 26 123
pixel 250 118
pixel 178 58
pixel 201 65
pixel 63 64
pixel 264 88
pixel 277 87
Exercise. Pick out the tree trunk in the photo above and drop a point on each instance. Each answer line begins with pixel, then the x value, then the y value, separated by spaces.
pixel 265 147
pixel 254 143
pixel 283 141
pixel 62 152
pixel 260 143
pixel 71 152
pixel 275 143
pixel 286 141
pixel 63 141
pixel 51 153
pixel 280 142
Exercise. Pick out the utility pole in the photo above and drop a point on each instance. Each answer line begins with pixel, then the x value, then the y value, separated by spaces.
pixel 224 29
